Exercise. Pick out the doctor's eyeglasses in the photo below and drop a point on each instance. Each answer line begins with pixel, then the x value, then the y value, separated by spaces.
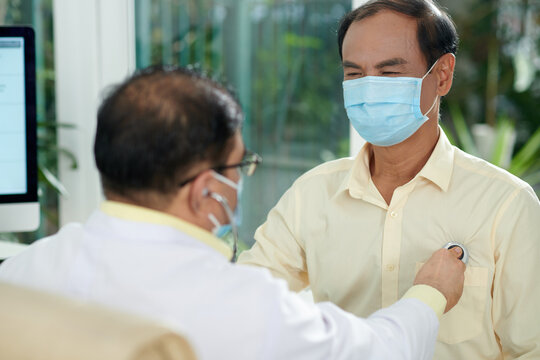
pixel 247 166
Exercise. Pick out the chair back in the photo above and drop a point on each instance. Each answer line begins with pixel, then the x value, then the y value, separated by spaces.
pixel 35 325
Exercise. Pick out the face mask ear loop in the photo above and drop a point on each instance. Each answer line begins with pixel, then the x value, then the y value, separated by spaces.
pixel 225 204
pixel 431 68
pixel 437 96
pixel 432 106
pixel 225 180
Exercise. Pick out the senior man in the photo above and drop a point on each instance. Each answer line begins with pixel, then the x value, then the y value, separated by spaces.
pixel 357 230
pixel 170 153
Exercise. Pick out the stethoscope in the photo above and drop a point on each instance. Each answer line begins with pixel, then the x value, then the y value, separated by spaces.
pixel 223 201
pixel 464 255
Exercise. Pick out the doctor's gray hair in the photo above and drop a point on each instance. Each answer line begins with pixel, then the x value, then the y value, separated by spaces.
pixel 436 32
pixel 157 125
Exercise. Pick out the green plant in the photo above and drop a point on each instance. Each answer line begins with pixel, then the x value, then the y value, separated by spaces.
pixel 49 150
pixel 49 186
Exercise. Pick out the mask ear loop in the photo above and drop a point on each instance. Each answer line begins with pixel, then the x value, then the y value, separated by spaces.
pixel 432 106
pixel 226 180
pixel 225 204
pixel 431 68
pixel 437 96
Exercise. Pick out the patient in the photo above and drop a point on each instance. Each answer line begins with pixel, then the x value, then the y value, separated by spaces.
pixel 170 154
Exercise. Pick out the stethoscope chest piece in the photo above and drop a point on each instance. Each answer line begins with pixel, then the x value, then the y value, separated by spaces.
pixel 465 256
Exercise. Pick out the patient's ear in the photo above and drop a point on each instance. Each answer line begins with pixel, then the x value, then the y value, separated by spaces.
pixel 445 73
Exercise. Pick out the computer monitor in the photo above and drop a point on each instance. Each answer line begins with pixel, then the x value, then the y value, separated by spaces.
pixel 19 207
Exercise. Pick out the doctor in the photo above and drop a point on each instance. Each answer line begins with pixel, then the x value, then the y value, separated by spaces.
pixel 171 157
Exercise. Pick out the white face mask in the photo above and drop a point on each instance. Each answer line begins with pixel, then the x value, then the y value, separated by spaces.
pixel 385 110
pixel 235 218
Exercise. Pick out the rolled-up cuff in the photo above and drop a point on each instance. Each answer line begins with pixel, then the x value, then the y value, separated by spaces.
pixel 429 296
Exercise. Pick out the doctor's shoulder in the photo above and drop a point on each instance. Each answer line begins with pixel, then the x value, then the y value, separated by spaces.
pixel 43 257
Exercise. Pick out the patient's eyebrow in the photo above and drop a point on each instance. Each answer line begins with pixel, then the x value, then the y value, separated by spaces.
pixel 349 64
pixel 391 62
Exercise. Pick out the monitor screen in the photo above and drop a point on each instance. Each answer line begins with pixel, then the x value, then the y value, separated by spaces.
pixel 18 163
pixel 13 118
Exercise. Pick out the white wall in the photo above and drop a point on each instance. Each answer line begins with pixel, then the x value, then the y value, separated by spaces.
pixel 357 3
pixel 94 48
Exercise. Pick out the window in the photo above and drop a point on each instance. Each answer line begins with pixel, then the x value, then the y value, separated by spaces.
pixel 38 14
pixel 281 58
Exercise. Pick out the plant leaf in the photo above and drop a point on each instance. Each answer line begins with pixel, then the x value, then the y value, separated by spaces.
pixel 503 140
pixel 449 135
pixel 463 133
pixel 48 177
pixel 54 125
pixel 527 155
pixel 49 147
pixel 532 179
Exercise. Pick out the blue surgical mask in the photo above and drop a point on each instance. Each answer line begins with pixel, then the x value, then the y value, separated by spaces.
pixel 385 110
pixel 235 218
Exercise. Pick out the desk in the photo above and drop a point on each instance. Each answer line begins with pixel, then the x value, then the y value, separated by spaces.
pixel 9 249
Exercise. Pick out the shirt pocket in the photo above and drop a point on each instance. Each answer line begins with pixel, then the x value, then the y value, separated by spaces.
pixel 465 320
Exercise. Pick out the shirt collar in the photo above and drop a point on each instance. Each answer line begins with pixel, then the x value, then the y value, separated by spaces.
pixel 145 215
pixel 440 164
pixel 438 169
pixel 358 178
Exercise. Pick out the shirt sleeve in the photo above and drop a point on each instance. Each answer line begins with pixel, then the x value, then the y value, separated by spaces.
pixel 516 294
pixel 429 296
pixel 277 247
pixel 406 330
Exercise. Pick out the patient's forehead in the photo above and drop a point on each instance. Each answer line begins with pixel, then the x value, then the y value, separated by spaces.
pixel 385 35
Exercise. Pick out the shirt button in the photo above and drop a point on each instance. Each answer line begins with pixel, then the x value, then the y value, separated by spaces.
pixel 390 267
pixel 393 214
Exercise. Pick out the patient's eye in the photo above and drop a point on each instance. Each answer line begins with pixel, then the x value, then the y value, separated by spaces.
pixel 353 75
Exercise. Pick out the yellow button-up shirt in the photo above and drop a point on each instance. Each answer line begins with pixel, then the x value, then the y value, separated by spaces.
pixel 333 231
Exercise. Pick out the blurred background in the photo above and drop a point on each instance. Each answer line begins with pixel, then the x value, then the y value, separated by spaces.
pixel 281 59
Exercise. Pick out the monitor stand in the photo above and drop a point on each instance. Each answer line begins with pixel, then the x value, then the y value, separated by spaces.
pixel 18 217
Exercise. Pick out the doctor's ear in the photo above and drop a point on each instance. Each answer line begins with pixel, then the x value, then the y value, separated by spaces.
pixel 199 191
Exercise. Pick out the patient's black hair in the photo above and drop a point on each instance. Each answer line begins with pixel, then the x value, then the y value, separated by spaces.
pixel 154 127
pixel 436 33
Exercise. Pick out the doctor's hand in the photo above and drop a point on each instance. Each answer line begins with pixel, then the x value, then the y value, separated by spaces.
pixel 446 273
